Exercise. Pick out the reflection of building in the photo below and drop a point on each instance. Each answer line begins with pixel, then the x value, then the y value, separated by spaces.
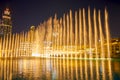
pixel 115 49
pixel 6 23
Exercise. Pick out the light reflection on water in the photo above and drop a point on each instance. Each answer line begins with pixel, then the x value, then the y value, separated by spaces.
pixel 58 69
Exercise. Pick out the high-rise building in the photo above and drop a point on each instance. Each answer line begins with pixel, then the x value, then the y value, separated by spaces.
pixel 6 23
pixel 115 47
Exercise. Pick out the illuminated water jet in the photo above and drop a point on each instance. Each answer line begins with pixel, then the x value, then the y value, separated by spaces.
pixel 74 35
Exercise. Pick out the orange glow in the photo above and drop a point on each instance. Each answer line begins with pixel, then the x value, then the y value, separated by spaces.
pixel 36 55
pixel 68 37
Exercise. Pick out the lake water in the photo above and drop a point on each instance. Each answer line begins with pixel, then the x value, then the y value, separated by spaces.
pixel 59 69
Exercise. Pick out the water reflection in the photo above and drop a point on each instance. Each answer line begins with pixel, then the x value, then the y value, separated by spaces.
pixel 58 69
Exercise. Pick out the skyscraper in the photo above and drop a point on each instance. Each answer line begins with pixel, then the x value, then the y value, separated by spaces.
pixel 6 23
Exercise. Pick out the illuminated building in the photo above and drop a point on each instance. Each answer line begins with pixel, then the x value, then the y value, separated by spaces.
pixel 25 48
pixel 6 23
pixel 26 45
pixel 32 28
pixel 115 47
pixel 32 34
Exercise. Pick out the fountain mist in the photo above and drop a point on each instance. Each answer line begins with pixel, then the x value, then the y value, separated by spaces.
pixel 71 36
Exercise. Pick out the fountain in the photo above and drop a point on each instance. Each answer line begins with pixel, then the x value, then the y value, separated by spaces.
pixel 75 46
pixel 79 37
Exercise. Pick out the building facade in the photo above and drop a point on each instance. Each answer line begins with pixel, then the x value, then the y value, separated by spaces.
pixel 115 47
pixel 6 23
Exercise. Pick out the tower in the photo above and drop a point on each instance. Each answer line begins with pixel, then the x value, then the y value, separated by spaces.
pixel 6 23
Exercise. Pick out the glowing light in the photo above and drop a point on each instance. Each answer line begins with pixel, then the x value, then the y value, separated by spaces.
pixel 36 55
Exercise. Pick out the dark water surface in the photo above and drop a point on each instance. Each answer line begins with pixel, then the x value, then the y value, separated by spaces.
pixel 59 69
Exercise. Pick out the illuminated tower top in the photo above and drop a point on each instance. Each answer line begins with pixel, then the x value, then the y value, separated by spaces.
pixel 7 11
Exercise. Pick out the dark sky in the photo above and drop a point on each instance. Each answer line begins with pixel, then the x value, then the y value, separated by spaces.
pixel 33 12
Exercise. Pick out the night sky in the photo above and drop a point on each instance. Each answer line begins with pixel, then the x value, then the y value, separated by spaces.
pixel 26 13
